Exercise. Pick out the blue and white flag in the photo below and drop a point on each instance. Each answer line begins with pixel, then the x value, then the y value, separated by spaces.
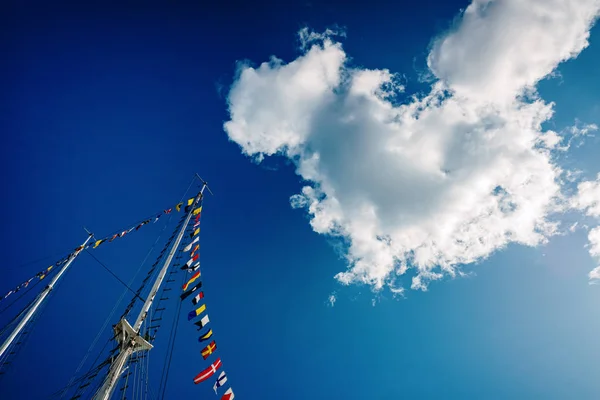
pixel 221 380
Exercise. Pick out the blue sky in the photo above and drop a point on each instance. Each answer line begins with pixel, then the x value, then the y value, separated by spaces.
pixel 110 110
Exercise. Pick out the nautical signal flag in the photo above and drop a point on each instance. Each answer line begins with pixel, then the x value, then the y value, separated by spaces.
pixel 221 380
pixel 197 210
pixel 191 260
pixel 198 297
pixel 194 267
pixel 98 242
pixel 206 336
pixel 187 294
pixel 228 395
pixel 208 350
pixel 189 246
pixel 191 201
pixel 197 218
pixel 197 231
pixel 208 372
pixel 196 312
pixel 196 248
pixel 192 279
pixel 202 323
pixel 178 207
pixel 168 211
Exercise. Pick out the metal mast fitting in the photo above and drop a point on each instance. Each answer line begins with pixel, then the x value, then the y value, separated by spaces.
pixel 129 337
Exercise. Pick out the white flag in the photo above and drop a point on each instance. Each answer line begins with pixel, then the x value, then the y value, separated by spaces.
pixel 221 380
pixel 189 246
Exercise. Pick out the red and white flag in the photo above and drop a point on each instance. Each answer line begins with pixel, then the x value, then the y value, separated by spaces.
pixel 228 395
pixel 208 372
pixel 189 246
pixel 198 297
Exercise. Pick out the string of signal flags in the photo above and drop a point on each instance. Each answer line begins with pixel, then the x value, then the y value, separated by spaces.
pixel 192 287
pixel 119 234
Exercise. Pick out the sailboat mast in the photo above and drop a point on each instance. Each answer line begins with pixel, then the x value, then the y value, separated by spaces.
pixel 129 336
pixel 40 299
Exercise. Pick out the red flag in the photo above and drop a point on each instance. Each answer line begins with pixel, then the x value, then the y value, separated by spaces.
pixel 228 395
pixel 168 211
pixel 208 372
pixel 195 257
pixel 197 218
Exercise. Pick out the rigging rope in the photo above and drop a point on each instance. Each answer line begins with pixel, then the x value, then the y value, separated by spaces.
pixel 171 347
pixel 114 275
pixel 107 320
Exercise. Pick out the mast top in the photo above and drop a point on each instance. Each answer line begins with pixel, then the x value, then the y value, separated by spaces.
pixel 204 183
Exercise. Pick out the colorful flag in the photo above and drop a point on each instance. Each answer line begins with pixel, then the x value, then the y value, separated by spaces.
pixel 197 218
pixel 157 217
pixel 116 235
pixel 202 323
pixel 208 350
pixel 196 248
pixel 189 246
pixel 221 380
pixel 193 314
pixel 197 224
pixel 191 260
pixel 98 242
pixel 228 395
pixel 178 207
pixel 197 231
pixel 208 372
pixel 187 294
pixel 193 268
pixel 197 210
pixel 191 201
pixel 124 233
pixel 192 279
pixel 206 336
pixel 197 298
pixel 168 211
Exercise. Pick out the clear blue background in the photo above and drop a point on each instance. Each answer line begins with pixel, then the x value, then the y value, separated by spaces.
pixel 107 112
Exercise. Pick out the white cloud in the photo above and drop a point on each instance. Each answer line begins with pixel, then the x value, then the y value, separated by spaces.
pixel 443 180
pixel 594 249
pixel 332 299
pixel 587 198
pixel 501 48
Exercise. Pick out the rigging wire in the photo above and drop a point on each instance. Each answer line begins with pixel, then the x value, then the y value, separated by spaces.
pixel 114 275
pixel 29 288
pixel 169 354
pixel 110 316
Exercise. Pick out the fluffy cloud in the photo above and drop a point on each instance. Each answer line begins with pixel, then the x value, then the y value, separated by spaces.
pixel 587 200
pixel 442 180
pixel 594 249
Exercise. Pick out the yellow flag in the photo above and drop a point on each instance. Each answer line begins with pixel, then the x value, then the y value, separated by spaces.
pixel 178 206
pixel 198 210
pixel 197 231
pixel 191 201
pixel 98 243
